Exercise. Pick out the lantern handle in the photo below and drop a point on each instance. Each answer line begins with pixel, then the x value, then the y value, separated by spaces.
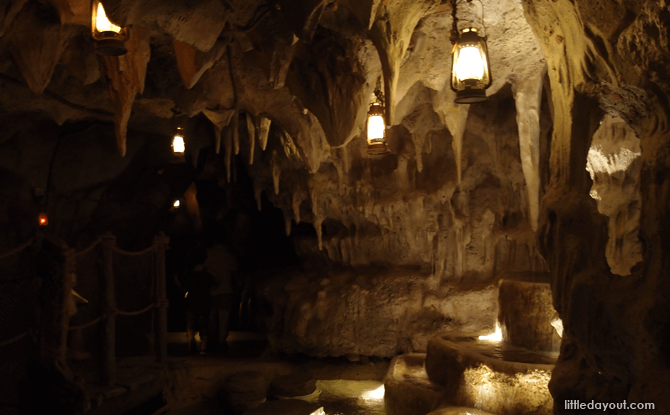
pixel 454 30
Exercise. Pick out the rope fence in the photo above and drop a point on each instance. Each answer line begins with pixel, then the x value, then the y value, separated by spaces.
pixel 36 304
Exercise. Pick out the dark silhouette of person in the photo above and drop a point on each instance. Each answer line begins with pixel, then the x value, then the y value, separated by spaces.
pixel 197 285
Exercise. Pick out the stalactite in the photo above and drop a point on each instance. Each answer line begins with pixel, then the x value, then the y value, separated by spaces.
pixel 192 63
pixel 228 150
pixel 276 172
pixel 126 79
pixel 296 202
pixel 456 125
pixel 258 192
pixel 318 221
pixel 528 98
pixel 236 132
pixel 287 221
pixel 36 47
pixel 263 132
pixel 220 119
pixel 251 129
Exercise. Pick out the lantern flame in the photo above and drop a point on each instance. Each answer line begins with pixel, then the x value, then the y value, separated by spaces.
pixel 176 203
pixel 102 23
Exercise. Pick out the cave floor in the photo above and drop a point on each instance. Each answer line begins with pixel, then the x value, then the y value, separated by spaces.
pixel 343 387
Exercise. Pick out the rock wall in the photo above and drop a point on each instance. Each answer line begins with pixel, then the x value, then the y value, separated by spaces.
pixel 606 57
pixel 371 312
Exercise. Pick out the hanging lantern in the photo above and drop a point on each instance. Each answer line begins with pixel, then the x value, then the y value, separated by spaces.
pixel 376 126
pixel 109 38
pixel 470 67
pixel 42 219
pixel 178 145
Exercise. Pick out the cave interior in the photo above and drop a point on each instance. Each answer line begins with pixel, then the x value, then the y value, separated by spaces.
pixel 496 257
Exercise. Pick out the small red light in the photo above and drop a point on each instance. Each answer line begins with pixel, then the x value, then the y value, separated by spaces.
pixel 43 219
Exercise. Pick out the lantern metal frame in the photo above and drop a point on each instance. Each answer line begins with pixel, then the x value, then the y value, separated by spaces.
pixel 107 43
pixel 473 91
pixel 377 108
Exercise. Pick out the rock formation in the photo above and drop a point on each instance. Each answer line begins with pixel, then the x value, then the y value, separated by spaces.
pixel 560 176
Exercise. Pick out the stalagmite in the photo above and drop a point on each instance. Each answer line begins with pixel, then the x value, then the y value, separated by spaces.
pixel 126 79
pixel 251 129
pixel 528 98
pixel 264 132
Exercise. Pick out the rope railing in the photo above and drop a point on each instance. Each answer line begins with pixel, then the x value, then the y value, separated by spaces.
pixel 7 254
pixel 135 313
pixel 18 248
pixel 14 339
pixel 89 249
pixel 89 324
pixel 152 248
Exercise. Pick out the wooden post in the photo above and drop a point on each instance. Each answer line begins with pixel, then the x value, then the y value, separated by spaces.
pixel 69 269
pixel 108 355
pixel 161 242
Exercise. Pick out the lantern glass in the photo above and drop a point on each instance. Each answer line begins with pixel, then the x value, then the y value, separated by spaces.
pixel 178 145
pixel 470 71
pixel 376 124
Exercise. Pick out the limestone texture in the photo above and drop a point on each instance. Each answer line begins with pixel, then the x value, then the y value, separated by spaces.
pixel 562 176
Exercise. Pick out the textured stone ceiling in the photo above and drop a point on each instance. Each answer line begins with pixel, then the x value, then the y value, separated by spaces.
pixel 467 192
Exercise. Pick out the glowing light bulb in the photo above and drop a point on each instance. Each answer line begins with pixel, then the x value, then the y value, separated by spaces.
pixel 178 145
pixel 470 64
pixel 375 394
pixel 102 23
pixel 496 336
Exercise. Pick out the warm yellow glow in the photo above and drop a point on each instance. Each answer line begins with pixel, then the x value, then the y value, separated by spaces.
pixel 102 23
pixel 176 203
pixel 558 325
pixel 496 336
pixel 376 128
pixel 500 392
pixel 470 64
pixel 375 394
pixel 319 411
pixel 178 145
pixel 43 219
